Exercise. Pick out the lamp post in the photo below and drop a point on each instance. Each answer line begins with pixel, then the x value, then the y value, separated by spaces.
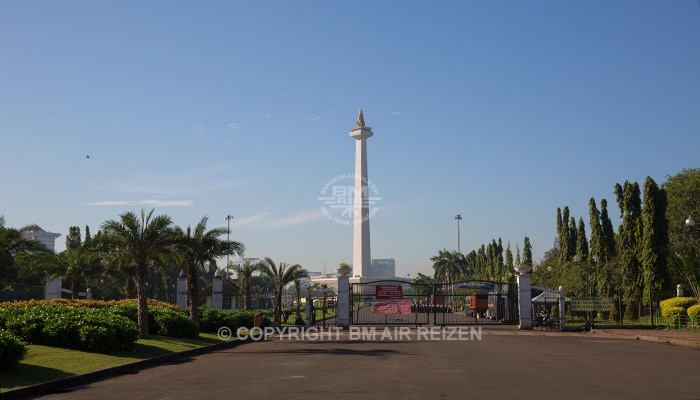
pixel 458 218
pixel 228 236
pixel 690 224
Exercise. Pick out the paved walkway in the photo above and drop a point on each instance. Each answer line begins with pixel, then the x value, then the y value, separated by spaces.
pixel 423 363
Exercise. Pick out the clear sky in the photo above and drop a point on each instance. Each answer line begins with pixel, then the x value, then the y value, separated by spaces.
pixel 500 111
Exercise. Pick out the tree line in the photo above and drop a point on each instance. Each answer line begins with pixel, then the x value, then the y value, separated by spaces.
pixel 651 251
pixel 134 250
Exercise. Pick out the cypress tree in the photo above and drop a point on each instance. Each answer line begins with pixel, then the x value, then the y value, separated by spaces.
pixel 564 236
pixel 629 237
pixel 527 252
pixel 655 238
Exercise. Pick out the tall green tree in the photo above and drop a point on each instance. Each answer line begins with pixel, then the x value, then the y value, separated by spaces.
pixel 563 235
pixel 582 255
pixel 608 240
pixel 581 242
pixel 12 243
pixel 143 242
pixel 446 266
pixel 73 240
pixel 596 247
pixel 280 276
pixel 608 275
pixel 80 261
pixel 629 236
pixel 470 266
pixel 573 237
pixel 527 253
pixel 244 273
pixel 196 247
pixel 654 246
pixel 683 200
pixel 509 259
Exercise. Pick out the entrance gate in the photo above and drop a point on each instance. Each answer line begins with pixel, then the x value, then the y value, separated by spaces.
pixel 393 302
pixel 389 302
pixel 475 303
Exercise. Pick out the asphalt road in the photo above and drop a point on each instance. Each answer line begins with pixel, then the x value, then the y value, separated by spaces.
pixel 497 364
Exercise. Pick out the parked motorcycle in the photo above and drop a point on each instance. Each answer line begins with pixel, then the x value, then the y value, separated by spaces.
pixel 542 320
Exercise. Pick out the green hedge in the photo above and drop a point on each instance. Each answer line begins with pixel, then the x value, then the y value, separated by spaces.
pixel 684 302
pixel 161 320
pixel 210 320
pixel 12 350
pixel 694 311
pixel 675 306
pixel 75 328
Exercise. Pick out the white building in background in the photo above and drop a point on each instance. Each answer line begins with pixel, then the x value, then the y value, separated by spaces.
pixel 48 239
pixel 380 268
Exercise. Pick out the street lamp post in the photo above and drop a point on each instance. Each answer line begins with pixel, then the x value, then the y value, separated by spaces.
pixel 458 218
pixel 690 224
pixel 228 236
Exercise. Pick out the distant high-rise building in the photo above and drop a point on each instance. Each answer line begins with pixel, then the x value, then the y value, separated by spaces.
pixel 48 239
pixel 383 268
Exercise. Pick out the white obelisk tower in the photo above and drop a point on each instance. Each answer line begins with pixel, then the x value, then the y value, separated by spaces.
pixel 361 256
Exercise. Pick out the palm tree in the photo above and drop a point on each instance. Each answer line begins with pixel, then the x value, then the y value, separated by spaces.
pixel 144 242
pixel 79 264
pixel 197 247
pixel 244 273
pixel 11 244
pixel 297 291
pixel 280 277
pixel 447 265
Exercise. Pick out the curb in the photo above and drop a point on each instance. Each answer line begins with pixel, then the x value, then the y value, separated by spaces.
pixel 694 344
pixel 690 343
pixel 69 383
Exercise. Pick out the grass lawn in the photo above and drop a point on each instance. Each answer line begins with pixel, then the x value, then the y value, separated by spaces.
pixel 43 363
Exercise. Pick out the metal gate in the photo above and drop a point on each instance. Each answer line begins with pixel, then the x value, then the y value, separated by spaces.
pixel 389 302
pixel 475 303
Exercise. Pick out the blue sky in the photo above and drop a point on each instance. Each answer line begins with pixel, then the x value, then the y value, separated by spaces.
pixel 497 111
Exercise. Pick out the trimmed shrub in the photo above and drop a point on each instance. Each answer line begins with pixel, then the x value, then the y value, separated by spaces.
pixel 671 314
pixel 684 302
pixel 70 327
pixel 12 350
pixel 25 322
pixel 102 332
pixel 210 320
pixel 166 321
pixel 173 323
pixel 694 311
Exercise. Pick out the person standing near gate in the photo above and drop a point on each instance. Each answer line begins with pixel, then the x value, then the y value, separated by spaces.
pixel 587 325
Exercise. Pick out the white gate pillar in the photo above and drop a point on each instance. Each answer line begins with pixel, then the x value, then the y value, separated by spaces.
pixel 217 292
pixel 524 297
pixel 309 306
pixel 343 315
pixel 182 290
pixel 53 289
pixel 562 308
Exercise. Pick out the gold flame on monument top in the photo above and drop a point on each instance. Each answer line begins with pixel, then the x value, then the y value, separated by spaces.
pixel 360 120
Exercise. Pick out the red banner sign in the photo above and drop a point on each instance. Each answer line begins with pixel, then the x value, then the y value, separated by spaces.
pixel 392 307
pixel 388 292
